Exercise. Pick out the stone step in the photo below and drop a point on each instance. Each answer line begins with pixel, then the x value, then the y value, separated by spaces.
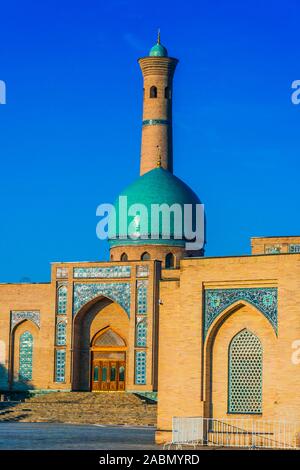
pixel 86 397
pixel 118 408
pixel 138 421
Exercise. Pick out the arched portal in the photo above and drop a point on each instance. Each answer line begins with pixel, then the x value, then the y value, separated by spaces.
pixel 24 359
pixel 101 330
pixel 238 353
pixel 108 359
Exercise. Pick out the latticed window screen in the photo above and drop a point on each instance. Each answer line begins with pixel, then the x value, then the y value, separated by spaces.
pixel 62 300
pixel 26 352
pixel 245 374
pixel 61 338
pixel 109 338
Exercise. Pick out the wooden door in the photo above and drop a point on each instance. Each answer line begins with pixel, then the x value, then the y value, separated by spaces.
pixel 108 375
pixel 104 375
pixel 113 383
pixel 96 371
pixel 121 375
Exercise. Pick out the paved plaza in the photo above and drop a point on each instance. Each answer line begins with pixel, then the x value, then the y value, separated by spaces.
pixel 46 436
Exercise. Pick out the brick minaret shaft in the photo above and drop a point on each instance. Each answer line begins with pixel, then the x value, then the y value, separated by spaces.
pixel 157 139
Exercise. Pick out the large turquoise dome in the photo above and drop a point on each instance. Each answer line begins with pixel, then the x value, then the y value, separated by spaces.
pixel 158 186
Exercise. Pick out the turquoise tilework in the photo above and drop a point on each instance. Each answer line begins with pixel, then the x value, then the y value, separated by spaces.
pixel 117 291
pixel 141 333
pixel 62 295
pixel 264 299
pixel 103 272
pixel 142 293
pixel 61 333
pixel 17 316
pixel 140 367
pixel 60 365
pixel 26 355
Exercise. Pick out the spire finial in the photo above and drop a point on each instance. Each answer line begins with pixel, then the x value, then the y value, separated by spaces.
pixel 158 163
pixel 158 36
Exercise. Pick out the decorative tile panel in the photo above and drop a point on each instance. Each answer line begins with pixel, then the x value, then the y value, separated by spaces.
pixel 104 272
pixel 60 365
pixel 294 248
pixel 273 249
pixel 61 333
pixel 149 395
pixel 61 273
pixel 142 270
pixel 117 291
pixel 62 294
pixel 141 333
pixel 245 374
pixel 264 299
pixel 17 316
pixel 140 367
pixel 141 297
pixel 155 122
pixel 25 357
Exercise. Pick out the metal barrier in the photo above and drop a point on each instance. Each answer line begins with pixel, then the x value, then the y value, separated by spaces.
pixel 240 432
pixel 188 431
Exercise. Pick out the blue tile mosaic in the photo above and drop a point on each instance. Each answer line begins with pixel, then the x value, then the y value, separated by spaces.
pixel 264 299
pixel 62 295
pixel 60 365
pixel 103 272
pixel 61 273
pixel 61 333
pixel 18 316
pixel 141 333
pixel 140 367
pixel 25 357
pixel 117 291
pixel 294 248
pixel 155 122
pixel 273 249
pixel 142 293
pixel 142 270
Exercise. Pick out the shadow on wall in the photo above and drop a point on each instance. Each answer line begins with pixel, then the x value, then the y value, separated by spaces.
pixel 9 399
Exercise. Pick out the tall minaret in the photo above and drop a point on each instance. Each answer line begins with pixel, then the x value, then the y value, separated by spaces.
pixel 158 70
pixel 157 184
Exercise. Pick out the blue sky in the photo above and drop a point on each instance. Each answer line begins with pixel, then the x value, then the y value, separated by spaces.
pixel 70 131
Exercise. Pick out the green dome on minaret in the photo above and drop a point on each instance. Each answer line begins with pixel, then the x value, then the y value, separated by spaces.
pixel 158 50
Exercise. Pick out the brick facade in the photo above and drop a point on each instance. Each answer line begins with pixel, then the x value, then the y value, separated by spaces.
pixel 116 308
pixel 190 314
pixel 200 364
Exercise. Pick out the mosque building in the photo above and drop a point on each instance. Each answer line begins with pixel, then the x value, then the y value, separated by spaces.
pixel 205 336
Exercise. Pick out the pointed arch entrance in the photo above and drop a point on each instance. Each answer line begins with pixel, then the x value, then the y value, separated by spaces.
pixel 100 334
pixel 108 359
pixel 238 353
